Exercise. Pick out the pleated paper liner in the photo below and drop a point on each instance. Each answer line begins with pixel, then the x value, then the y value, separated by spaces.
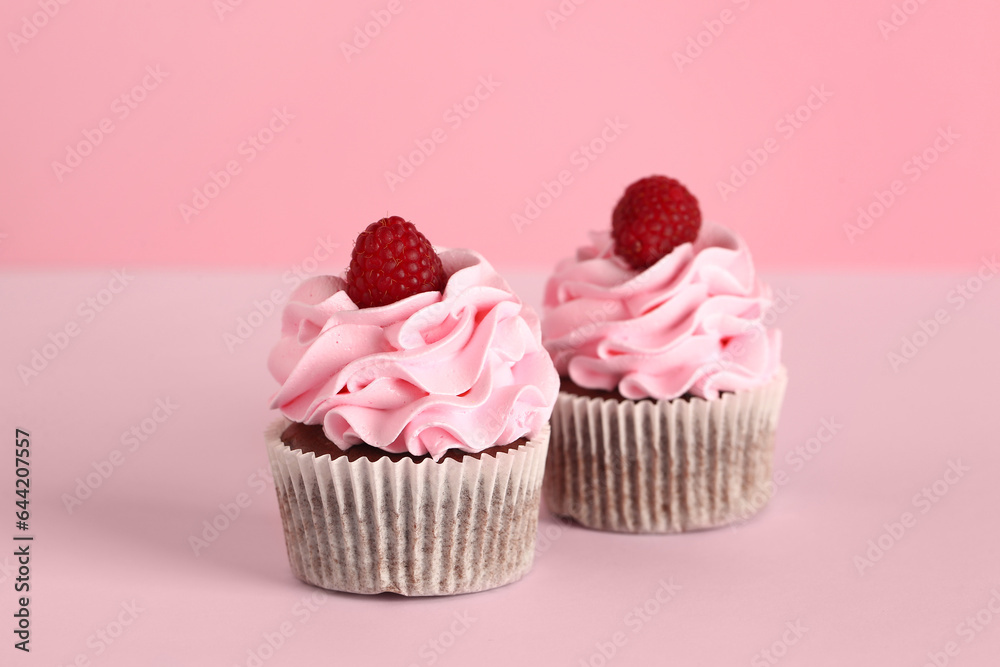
pixel 663 466
pixel 409 527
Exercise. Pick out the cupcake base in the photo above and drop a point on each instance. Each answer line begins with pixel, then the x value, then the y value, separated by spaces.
pixel 663 466
pixel 408 525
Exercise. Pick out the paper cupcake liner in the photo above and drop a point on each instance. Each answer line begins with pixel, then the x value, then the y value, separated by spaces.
pixel 663 466
pixel 409 527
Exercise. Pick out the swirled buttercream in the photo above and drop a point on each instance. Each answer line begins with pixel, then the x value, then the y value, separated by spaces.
pixel 459 369
pixel 692 323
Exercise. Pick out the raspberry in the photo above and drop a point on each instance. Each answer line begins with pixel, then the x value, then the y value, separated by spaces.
pixel 655 215
pixel 391 260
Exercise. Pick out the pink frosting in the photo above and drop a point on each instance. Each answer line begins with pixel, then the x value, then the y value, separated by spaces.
pixel 463 368
pixel 691 323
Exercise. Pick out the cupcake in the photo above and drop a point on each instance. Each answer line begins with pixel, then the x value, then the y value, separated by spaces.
pixel 671 382
pixel 415 397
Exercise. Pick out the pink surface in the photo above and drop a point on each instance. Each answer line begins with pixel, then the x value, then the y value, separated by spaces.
pixel 273 128
pixel 858 444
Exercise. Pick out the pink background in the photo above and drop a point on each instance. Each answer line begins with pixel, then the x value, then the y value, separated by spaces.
pixel 324 173
pixel 294 209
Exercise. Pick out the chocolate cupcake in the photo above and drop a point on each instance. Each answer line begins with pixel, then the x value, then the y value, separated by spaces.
pixel 671 381
pixel 410 454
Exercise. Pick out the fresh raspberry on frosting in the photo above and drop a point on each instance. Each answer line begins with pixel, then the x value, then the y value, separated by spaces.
pixel 391 260
pixel 655 215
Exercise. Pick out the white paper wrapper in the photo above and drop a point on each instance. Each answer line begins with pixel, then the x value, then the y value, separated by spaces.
pixel 408 527
pixel 663 466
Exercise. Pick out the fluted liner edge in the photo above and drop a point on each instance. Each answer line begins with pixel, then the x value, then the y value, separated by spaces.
pixel 409 527
pixel 663 466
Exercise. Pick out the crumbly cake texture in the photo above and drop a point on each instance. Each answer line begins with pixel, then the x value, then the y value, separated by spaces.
pixel 666 466
pixel 408 525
